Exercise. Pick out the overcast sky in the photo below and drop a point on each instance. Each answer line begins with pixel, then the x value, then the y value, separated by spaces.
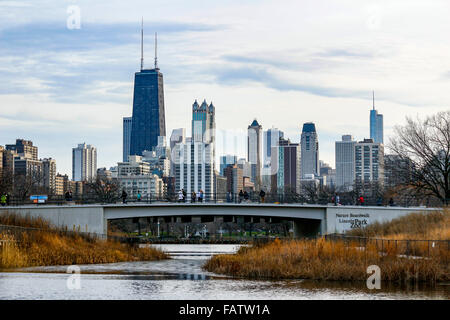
pixel 282 62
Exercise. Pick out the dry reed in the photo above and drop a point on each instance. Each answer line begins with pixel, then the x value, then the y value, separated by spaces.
pixel 48 246
pixel 320 259
pixel 433 226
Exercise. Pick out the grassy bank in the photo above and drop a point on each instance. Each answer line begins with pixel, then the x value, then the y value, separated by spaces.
pixel 434 226
pixel 46 246
pixel 322 259
pixel 326 260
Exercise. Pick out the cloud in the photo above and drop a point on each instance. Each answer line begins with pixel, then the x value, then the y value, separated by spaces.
pixel 91 64
pixel 238 75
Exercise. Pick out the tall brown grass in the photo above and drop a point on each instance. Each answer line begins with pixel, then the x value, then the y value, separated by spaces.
pixel 44 246
pixel 326 260
pixel 423 226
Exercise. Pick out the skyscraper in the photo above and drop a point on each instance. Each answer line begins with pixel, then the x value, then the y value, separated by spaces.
pixel 369 162
pixel 286 163
pixel 148 120
pixel 254 154
pixel 345 162
pixel 310 150
pixel 194 164
pixel 376 123
pixel 270 139
pixel 127 124
pixel 203 122
pixel 84 162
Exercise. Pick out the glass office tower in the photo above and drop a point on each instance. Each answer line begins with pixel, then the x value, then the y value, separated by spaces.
pixel 376 124
pixel 148 111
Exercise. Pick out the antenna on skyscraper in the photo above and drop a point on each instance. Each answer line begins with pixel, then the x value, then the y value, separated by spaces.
pixel 156 50
pixel 142 44
pixel 373 99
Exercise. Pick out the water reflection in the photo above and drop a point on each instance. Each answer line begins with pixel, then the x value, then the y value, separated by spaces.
pixel 183 278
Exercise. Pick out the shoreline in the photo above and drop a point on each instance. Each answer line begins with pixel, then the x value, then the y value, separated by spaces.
pixel 322 260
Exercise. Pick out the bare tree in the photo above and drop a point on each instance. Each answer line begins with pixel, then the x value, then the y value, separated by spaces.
pixel 103 189
pixel 426 145
pixel 6 182
pixel 25 185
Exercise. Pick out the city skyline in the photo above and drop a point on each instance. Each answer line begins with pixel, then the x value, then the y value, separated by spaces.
pixel 58 93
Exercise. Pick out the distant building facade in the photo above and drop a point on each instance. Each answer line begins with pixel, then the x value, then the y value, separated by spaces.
pixel 286 166
pixel 376 124
pixel 309 150
pixel 149 186
pixel 148 121
pixel 84 162
pixel 369 163
pixel 234 179
pixel 24 148
pixel 49 174
pixel 194 168
pixel 225 161
pixel 254 152
pixel 397 171
pixel 135 166
pixel 345 162
pixel 127 125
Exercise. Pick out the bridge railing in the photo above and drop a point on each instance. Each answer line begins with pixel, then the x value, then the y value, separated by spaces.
pixel 249 197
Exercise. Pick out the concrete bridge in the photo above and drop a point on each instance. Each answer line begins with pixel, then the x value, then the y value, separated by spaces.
pixel 306 219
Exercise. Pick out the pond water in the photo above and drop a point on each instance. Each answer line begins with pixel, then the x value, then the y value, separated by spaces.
pixel 182 278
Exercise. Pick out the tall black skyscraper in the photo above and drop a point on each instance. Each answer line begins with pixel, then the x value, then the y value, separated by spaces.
pixel 148 107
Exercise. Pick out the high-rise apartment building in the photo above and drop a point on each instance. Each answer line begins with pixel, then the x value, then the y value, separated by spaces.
pixel 127 125
pixel 148 121
pixel 84 162
pixel 24 148
pixel 345 162
pixel 49 174
pixel 376 124
pixel 254 152
pixel 194 168
pixel 369 162
pixel 286 166
pixel 310 150
pixel 24 166
pixel 59 185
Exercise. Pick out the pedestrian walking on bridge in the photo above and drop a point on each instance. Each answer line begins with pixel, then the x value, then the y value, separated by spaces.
pixel 262 194
pixel 124 196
